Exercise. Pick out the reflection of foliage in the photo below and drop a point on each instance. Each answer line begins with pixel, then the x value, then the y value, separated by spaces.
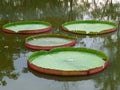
pixel 9 75
pixel 108 80
pixel 6 69
pixel 107 9
pixel 67 9
pixel 25 70
pixel 10 48
pixel 111 80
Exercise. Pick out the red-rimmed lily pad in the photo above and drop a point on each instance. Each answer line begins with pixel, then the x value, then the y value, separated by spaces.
pixel 68 61
pixel 89 27
pixel 27 27
pixel 49 41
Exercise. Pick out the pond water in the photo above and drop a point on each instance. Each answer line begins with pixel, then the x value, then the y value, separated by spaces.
pixel 14 73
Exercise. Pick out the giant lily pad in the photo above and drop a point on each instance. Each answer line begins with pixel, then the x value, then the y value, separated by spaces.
pixel 49 41
pixel 68 61
pixel 89 27
pixel 27 27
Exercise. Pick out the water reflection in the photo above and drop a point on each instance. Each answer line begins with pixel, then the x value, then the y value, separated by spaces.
pixel 110 45
pixel 69 83
pixel 105 80
pixel 63 10
pixel 13 53
pixel 10 48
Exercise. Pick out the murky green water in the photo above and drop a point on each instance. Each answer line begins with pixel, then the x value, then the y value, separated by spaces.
pixel 14 73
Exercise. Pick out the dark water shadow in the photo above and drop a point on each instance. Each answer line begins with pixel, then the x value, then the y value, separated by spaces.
pixel 64 78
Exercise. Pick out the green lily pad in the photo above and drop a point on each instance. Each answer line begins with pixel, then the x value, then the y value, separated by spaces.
pixel 68 61
pixel 27 27
pixel 49 41
pixel 89 27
